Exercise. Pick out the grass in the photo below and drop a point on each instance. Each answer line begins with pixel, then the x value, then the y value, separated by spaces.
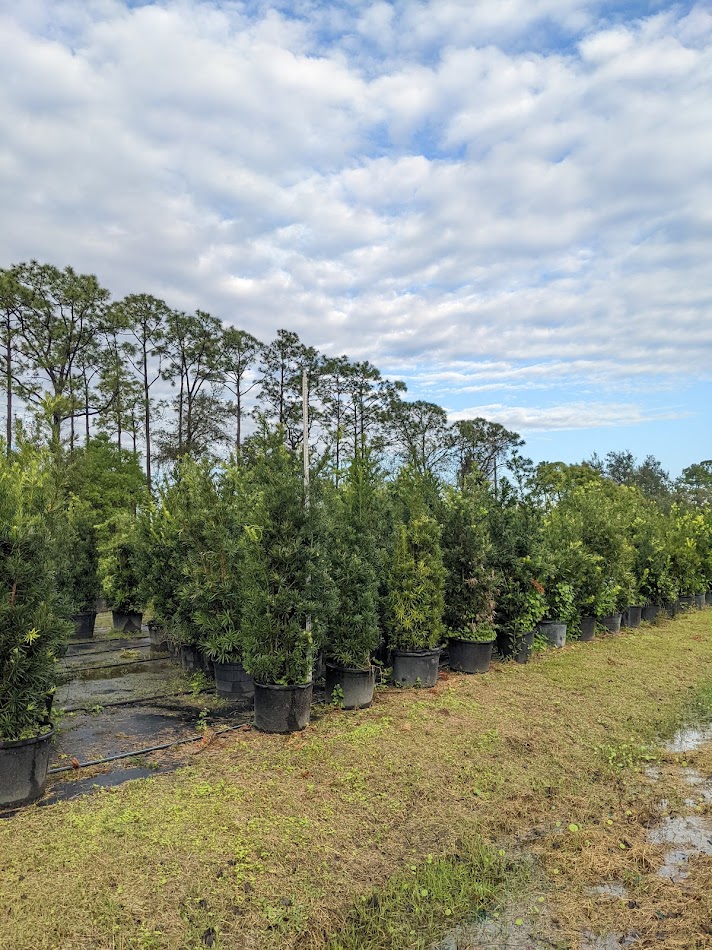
pixel 309 842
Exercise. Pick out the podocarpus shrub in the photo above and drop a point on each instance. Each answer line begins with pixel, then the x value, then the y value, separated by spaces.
pixel 517 558
pixel 355 512
pixel 119 564
pixel 416 580
pixel 210 594
pixel 287 589
pixel 469 576
pixel 33 616
pixel 78 556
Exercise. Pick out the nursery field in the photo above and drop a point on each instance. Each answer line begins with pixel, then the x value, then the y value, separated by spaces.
pixel 534 795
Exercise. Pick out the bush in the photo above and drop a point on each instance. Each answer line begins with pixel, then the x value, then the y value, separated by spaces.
pixel 78 556
pixel 416 580
pixel 287 591
pixel 119 563
pixel 33 616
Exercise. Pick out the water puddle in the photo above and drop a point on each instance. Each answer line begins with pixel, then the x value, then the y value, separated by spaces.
pixel 690 738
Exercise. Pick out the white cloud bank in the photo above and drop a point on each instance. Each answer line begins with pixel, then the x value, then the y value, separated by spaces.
pixel 445 186
pixel 586 415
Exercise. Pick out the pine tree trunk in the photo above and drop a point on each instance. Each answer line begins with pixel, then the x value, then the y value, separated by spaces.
pixel 147 419
pixel 8 384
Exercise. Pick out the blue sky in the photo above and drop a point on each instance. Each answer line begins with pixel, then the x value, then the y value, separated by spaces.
pixel 508 205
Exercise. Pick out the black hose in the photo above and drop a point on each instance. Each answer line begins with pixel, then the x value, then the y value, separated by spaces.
pixel 129 755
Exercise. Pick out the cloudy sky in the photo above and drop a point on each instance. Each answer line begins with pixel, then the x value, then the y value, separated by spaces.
pixel 507 203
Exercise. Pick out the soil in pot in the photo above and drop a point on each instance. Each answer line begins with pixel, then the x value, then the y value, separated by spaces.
pixel 282 708
pixel 588 629
pixel 23 769
pixel 126 621
pixel 468 656
pixel 233 682
pixel 632 617
pixel 650 613
pixel 415 667
pixel 84 624
pixel 554 632
pixel 354 687
pixel 612 622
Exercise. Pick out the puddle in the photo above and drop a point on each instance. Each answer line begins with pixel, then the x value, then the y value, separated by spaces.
pixel 689 738
pixel 614 891
pixel 691 835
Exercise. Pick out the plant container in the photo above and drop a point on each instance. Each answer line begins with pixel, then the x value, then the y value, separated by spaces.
pixel 127 621
pixel 470 656
pixel 650 613
pixel 686 601
pixel 416 667
pixel 708 598
pixel 157 636
pixel 523 647
pixel 699 601
pixel 233 682
pixel 191 659
pixel 356 685
pixel 632 617
pixel 282 708
pixel 612 622
pixel 588 629
pixel 554 632
pixel 84 624
pixel 23 769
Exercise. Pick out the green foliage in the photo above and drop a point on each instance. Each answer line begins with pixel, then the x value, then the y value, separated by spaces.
pixel 653 565
pixel 470 579
pixel 689 543
pixel 107 478
pixel 356 511
pixel 288 593
pixel 78 556
pixel 119 563
pixel 210 595
pixel 416 580
pixel 518 561
pixel 33 616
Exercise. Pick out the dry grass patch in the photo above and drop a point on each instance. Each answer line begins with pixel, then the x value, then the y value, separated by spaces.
pixel 271 842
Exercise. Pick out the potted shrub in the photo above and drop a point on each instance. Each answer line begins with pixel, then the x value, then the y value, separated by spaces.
pixel 517 558
pixel 286 588
pixel 560 611
pixel 34 623
pixel 210 595
pixel 118 570
pixel 469 578
pixel 78 564
pixel 353 631
pixel 415 593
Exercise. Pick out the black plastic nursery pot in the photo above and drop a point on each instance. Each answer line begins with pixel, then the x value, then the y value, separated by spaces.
pixel 191 659
pixel 157 636
pixel 686 601
pixel 554 632
pixel 631 617
pixel 233 682
pixel 354 687
pixel 415 667
pixel 523 647
pixel 84 624
pixel 468 656
pixel 23 769
pixel 612 622
pixel 282 708
pixel 699 601
pixel 650 612
pixel 708 598
pixel 127 621
pixel 588 629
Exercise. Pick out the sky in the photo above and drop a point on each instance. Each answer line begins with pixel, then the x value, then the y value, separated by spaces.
pixel 506 204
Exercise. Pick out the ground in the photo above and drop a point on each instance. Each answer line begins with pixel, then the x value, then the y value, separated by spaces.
pixel 532 793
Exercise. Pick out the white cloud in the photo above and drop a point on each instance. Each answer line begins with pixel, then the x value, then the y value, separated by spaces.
pixel 525 419
pixel 482 195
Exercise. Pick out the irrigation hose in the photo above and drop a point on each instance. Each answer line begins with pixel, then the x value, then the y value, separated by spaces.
pixel 135 752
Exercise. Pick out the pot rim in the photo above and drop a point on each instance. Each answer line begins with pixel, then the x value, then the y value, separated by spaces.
pixel 430 652
pixel 476 642
pixel 283 686
pixel 350 669
pixel 17 743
